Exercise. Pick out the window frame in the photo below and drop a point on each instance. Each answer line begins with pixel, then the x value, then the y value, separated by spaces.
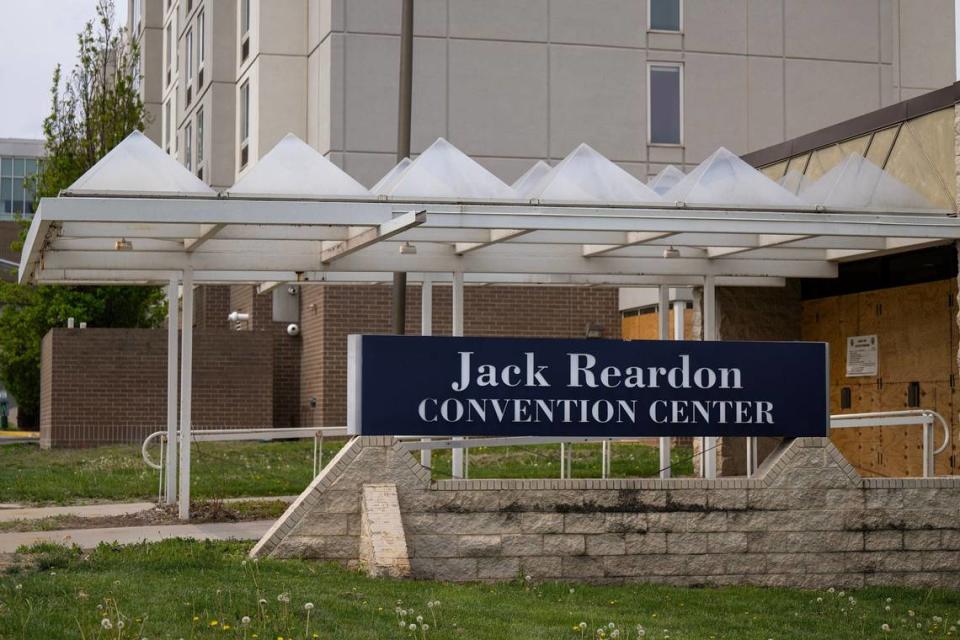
pixel 201 38
pixel 188 55
pixel 650 67
pixel 650 27
pixel 200 124
pixel 188 146
pixel 244 18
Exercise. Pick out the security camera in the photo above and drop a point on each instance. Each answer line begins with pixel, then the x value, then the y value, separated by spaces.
pixel 292 290
pixel 293 329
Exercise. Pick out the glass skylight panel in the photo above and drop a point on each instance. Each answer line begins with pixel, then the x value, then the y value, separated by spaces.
pixel 725 179
pixel 587 176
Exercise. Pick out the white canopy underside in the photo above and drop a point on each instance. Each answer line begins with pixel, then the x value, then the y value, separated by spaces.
pixel 443 213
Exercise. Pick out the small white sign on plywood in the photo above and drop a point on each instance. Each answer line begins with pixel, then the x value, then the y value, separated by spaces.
pixel 861 356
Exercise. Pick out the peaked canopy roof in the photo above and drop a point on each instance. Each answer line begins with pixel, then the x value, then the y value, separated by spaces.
pixel 794 181
pixel 386 183
pixel 586 176
pixel 295 169
pixel 725 179
pixel 664 181
pixel 138 166
pixel 593 224
pixel 443 171
pixel 531 178
pixel 857 182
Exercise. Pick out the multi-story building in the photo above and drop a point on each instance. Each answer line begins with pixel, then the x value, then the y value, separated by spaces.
pixel 646 82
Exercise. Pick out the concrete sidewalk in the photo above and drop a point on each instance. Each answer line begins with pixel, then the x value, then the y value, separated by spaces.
pixel 89 538
pixel 8 513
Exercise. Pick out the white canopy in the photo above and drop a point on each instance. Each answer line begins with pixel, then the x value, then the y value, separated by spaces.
pixel 599 227
pixel 666 179
pixel 857 182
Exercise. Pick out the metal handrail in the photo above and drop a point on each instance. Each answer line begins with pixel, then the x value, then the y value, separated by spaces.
pixel 237 435
pixel 923 417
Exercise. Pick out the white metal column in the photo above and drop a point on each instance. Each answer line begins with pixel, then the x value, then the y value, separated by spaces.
pixel 663 333
pixel 173 348
pixel 186 393
pixel 457 454
pixel 426 329
pixel 709 452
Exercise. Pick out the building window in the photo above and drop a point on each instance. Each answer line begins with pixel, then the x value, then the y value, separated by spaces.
pixel 200 137
pixel 189 65
pixel 665 104
pixel 15 196
pixel 188 147
pixel 244 123
pixel 244 29
pixel 201 46
pixel 169 59
pixel 665 15
pixel 137 13
pixel 166 126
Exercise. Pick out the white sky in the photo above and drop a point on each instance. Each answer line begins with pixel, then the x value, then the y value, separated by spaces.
pixel 34 36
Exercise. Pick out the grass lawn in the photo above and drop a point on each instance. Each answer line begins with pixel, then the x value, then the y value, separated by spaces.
pixel 179 589
pixel 230 470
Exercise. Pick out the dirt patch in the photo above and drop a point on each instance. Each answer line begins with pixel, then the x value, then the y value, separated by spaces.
pixel 205 511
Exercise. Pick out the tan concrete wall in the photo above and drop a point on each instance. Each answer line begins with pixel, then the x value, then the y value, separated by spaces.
pixel 807 521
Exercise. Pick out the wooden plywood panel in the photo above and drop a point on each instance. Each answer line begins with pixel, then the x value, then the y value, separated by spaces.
pixel 644 326
pixel 914 328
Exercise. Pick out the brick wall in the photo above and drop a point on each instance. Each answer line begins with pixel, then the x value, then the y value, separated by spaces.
pixel 331 312
pixel 211 304
pixel 806 520
pixel 109 385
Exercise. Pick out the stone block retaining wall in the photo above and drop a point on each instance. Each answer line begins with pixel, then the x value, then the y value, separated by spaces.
pixel 806 520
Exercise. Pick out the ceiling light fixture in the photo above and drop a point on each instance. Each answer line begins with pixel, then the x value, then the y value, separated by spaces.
pixel 123 245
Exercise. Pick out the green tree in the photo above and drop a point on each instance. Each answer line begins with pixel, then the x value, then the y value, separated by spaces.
pixel 92 110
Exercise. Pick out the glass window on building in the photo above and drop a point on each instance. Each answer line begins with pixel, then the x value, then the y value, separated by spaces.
pixel 665 15
pixel 189 56
pixel 665 95
pixel 245 112
pixel 244 17
pixel 200 137
pixel 137 12
pixel 166 126
pixel 201 38
pixel 188 147
pixel 15 194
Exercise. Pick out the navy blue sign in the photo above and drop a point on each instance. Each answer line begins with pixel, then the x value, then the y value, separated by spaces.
pixel 442 386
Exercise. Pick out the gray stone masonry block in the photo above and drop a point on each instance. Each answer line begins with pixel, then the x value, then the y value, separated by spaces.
pixel 706 564
pixel 476 546
pixel 804 541
pixel 434 546
pixel 541 567
pixel 951 539
pixel 582 567
pixel 541 522
pixel 644 543
pixel 498 568
pixel 649 565
pixel 476 523
pixel 884 561
pixel 946 580
pixel 477 501
pixel 319 547
pixel 626 522
pixel 606 544
pixel 883 499
pixel 745 563
pixel 730 542
pixel 323 524
pixel 684 543
pixel 522 544
pixel 727 499
pixel 687 522
pixel 781 563
pixel 915 540
pixel 564 544
pixel 882 540
pixel 584 523
pixel 825 562
pixel 941 560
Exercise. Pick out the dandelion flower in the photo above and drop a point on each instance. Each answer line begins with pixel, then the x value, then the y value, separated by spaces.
pixel 425 627
pixel 610 625
pixel 819 599
pixel 308 606
pixel 412 627
pixel 572 590
pixel 911 613
pixel 245 620
pixel 19 587
pixel 583 625
pixel 830 590
pixel 214 623
pixel 886 608
pixel 120 624
pixel 402 624
pixel 885 627
pixel 106 624
pixel 889 600
pixel 420 619
pixel 430 605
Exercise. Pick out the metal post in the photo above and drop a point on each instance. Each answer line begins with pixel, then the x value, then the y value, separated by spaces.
pixel 603 460
pixel 173 348
pixel 751 456
pixel 426 329
pixel 404 111
pixel 186 393
pixel 563 460
pixel 663 333
pixel 709 452
pixel 457 453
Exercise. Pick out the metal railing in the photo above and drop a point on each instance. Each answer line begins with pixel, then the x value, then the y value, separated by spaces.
pixel 238 435
pixel 912 417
